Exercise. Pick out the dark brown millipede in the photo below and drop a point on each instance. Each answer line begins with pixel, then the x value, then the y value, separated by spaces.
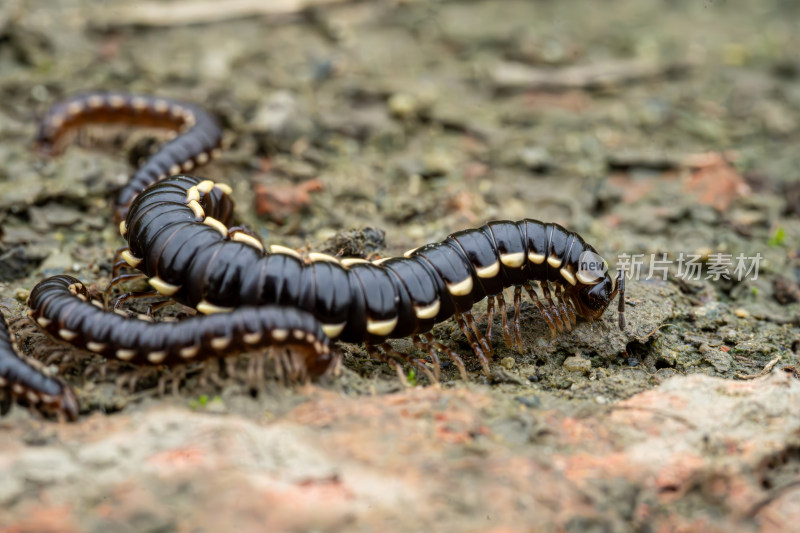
pixel 180 235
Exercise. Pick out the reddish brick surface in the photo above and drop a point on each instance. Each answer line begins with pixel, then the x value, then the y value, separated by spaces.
pixel 690 455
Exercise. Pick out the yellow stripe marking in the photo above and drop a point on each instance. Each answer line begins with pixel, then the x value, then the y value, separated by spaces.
pixel 189 352
pixel 381 327
pixel 278 249
pixel 428 311
pixel 462 288
pixel 217 225
pixel 513 260
pixel 535 258
pixel 333 330
pixel 157 357
pixel 167 289
pixel 207 308
pixel 223 187
pixel 317 256
pixel 279 335
pixel 252 338
pixel 67 335
pixel 553 261
pixel 220 343
pixel 126 355
pixel 74 108
pixel 350 261
pixel 205 186
pixel 587 278
pixel 569 276
pixel 197 209
pixel 129 258
pixel 488 271
pixel 96 347
pixel 192 194
pixel 249 240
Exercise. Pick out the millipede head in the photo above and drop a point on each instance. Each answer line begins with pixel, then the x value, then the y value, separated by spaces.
pixel 591 301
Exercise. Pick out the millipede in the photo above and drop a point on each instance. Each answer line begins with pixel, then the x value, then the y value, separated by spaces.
pixel 181 237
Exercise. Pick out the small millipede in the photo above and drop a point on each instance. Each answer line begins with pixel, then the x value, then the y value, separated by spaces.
pixel 180 236
pixel 26 381
pixel 198 142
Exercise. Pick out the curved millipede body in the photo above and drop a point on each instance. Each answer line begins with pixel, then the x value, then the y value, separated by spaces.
pixel 198 142
pixel 62 307
pixel 29 383
pixel 180 235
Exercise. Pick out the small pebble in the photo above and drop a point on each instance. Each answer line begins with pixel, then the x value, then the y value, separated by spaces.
pixel 508 363
pixel 403 105
pixel 577 364
pixel 741 313
pixel 529 401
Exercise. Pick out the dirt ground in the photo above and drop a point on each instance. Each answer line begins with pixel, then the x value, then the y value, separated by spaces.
pixel 647 127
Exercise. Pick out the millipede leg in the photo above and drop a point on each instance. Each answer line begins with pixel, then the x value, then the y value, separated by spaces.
pixel 430 339
pixel 380 356
pixel 420 343
pixel 517 303
pixel 119 300
pixel 116 280
pixel 571 312
pixel 152 308
pixel 255 372
pixel 487 347
pixel 172 377
pixel 391 352
pixel 489 318
pixel 211 374
pixel 117 266
pixel 118 263
pixel 545 313
pixel 472 342
pixel 60 356
pixel 230 368
pixel 552 306
pixel 290 364
pixel 506 330
pixel 562 308
pixel 276 362
pixel 98 369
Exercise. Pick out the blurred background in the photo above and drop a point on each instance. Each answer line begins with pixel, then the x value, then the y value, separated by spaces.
pixel 649 128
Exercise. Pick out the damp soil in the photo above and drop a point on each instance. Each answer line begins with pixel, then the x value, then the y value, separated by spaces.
pixel 370 128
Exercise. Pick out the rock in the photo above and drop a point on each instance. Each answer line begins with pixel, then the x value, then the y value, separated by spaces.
pixel 577 363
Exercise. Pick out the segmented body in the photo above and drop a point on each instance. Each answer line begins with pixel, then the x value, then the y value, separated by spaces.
pixel 62 306
pixel 29 383
pixel 180 236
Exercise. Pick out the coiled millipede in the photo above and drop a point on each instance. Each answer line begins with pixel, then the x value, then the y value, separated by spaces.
pixel 180 235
